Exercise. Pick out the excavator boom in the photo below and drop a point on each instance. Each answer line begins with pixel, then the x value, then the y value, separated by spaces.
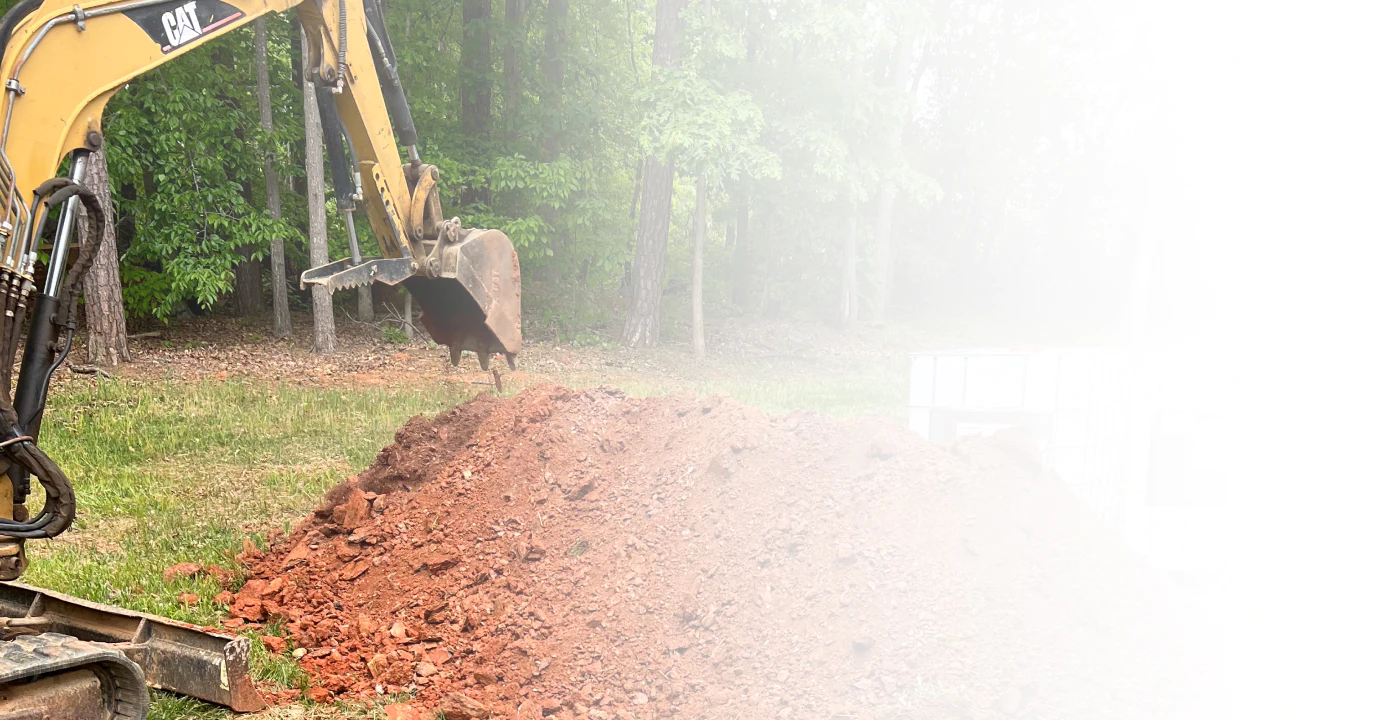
pixel 61 65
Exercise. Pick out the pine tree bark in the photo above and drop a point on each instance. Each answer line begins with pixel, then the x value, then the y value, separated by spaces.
pixel 476 62
pixel 277 259
pixel 701 228
pixel 106 341
pixel 515 18
pixel 322 311
pixel 643 325
pixel 553 68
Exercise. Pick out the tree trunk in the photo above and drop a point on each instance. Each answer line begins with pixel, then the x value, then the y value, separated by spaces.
pixel 322 312
pixel 643 326
pixel 476 62
pixel 106 341
pixel 553 68
pixel 247 295
pixel 248 285
pixel 701 227
pixel 282 316
pixel 515 17
pixel 885 206
pixel 742 251
pixel 885 220
pixel 848 281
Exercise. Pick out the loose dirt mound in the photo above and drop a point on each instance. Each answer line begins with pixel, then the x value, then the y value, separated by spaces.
pixel 582 554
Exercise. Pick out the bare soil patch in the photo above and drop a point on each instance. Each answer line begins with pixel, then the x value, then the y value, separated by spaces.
pixel 587 555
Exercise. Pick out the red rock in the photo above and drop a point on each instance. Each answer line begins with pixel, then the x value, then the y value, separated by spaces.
pixel 225 597
pixel 485 678
pixel 300 554
pixel 458 706
pixel 251 610
pixel 354 570
pixel 354 512
pixel 221 575
pixel 252 591
pixel 435 613
pixel 189 598
pixel 318 694
pixel 403 711
pixel 181 570
pixel 438 656
pixel 273 643
pixel 367 626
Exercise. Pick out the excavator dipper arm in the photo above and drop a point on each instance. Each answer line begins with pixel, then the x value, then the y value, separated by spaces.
pixel 61 65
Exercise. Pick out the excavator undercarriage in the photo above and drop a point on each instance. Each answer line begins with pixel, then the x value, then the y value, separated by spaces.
pixel 62 658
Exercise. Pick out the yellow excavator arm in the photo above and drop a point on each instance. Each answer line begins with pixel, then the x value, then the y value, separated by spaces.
pixel 62 63
pixel 60 66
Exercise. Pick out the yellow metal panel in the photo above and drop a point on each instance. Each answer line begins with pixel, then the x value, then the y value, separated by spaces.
pixel 71 74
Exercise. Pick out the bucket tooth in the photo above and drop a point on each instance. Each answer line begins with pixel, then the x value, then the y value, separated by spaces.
pixel 484 355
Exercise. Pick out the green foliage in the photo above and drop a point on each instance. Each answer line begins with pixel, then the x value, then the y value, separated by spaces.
pixel 797 110
pixel 705 131
pixel 186 166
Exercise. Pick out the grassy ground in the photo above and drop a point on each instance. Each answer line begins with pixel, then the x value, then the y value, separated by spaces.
pixel 175 470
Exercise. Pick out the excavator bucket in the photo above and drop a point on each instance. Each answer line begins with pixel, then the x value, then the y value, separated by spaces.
pixel 174 656
pixel 475 301
pixel 469 288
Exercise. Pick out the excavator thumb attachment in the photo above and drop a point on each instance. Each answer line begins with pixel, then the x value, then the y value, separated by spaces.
pixel 177 657
pixel 469 288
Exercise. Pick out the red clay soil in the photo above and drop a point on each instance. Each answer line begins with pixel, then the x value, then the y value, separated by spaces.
pixel 583 554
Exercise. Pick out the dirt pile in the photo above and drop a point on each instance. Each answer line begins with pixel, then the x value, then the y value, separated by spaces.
pixel 582 554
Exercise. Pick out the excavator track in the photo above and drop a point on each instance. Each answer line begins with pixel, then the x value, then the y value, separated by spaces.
pixel 58 677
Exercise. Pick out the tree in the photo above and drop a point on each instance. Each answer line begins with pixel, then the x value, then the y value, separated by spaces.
pixel 248 292
pixel 282 315
pixel 701 228
pixel 553 68
pixel 106 341
pixel 643 325
pixel 476 62
pixel 713 134
pixel 847 284
pixel 185 141
pixel 322 311
pixel 515 20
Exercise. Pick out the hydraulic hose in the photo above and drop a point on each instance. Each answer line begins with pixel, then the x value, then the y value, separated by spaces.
pixel 341 171
pixel 391 84
pixel 59 506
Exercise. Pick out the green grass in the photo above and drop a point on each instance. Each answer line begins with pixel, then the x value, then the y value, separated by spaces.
pixel 170 471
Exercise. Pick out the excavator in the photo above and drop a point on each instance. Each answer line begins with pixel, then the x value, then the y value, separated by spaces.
pixel 64 658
